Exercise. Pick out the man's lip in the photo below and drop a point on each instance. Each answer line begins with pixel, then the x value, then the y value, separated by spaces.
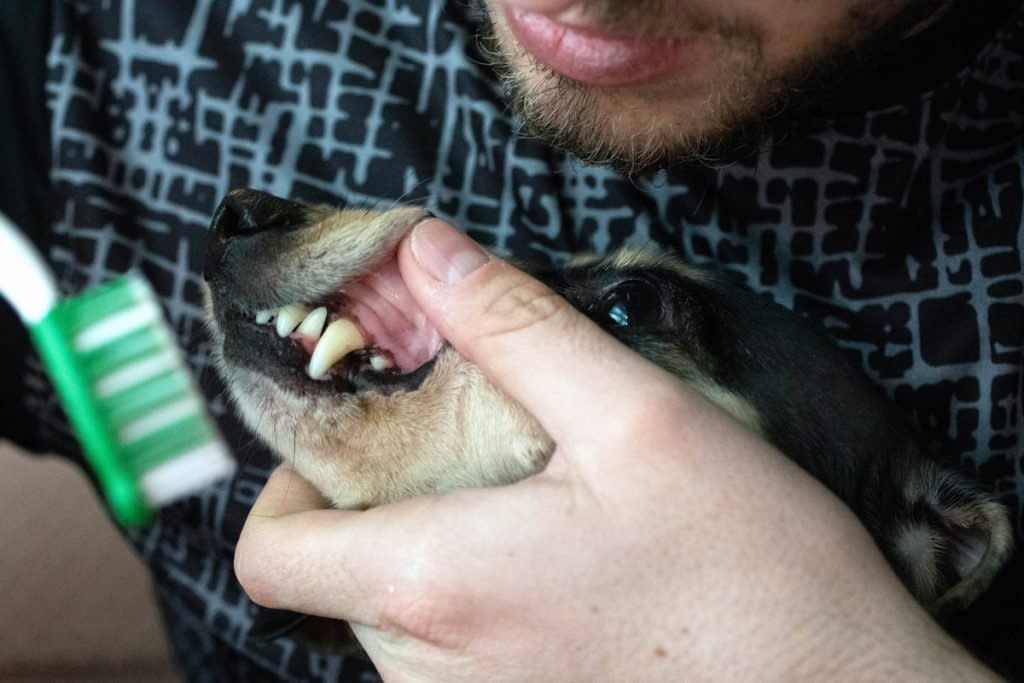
pixel 590 56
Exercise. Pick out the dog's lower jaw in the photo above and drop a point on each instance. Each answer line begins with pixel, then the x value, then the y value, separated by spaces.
pixel 373 461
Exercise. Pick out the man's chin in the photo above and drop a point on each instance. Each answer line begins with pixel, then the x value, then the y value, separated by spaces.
pixel 634 131
pixel 638 128
pixel 720 115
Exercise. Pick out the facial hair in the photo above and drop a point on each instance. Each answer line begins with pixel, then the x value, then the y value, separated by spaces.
pixel 738 116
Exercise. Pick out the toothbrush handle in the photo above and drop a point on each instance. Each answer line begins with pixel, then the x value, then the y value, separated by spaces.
pixel 25 279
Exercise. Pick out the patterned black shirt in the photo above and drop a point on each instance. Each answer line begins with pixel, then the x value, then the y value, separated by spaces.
pixel 894 220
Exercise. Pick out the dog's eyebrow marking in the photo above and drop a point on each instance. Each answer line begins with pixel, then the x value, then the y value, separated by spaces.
pixel 735 405
pixel 643 258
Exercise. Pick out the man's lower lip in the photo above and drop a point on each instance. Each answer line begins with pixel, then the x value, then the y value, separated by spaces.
pixel 591 57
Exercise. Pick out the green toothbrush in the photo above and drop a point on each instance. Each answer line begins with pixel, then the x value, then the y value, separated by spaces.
pixel 127 393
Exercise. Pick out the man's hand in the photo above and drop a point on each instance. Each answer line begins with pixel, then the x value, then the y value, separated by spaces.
pixel 663 542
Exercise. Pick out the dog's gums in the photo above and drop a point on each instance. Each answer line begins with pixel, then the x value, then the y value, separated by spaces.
pixel 333 365
pixel 369 325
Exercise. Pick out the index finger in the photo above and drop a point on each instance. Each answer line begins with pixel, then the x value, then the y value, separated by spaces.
pixel 296 553
pixel 277 558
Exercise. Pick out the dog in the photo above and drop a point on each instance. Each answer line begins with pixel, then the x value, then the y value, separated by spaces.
pixel 332 364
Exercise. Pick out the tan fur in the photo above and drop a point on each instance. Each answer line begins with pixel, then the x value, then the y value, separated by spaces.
pixel 356 452
pixel 643 257
pixel 368 449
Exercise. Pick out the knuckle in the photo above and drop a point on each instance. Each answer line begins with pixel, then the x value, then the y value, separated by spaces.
pixel 659 415
pixel 521 304
pixel 421 617
pixel 420 607
pixel 257 571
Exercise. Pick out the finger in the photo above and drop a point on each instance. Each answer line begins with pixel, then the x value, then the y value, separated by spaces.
pixel 297 553
pixel 528 340
pixel 277 554
pixel 374 567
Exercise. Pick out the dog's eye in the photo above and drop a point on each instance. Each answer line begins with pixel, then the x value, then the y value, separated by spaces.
pixel 630 304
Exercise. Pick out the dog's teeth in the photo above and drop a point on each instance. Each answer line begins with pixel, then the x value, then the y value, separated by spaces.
pixel 264 317
pixel 380 363
pixel 289 317
pixel 313 324
pixel 341 338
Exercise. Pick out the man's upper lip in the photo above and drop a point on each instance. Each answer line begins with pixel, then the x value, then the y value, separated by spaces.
pixel 594 55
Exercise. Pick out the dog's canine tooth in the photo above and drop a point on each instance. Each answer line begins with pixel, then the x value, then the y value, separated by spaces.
pixel 379 362
pixel 264 317
pixel 313 324
pixel 339 339
pixel 289 317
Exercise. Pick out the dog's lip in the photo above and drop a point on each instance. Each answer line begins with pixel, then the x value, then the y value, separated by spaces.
pixel 256 347
pixel 379 305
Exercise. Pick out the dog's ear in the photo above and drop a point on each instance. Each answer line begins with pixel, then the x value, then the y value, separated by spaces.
pixel 949 539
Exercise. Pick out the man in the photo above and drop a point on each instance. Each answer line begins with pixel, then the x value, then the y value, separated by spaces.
pixel 885 202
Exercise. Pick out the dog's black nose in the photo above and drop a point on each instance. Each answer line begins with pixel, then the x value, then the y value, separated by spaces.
pixel 244 213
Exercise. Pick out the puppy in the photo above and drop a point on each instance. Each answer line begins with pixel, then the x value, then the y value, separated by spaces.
pixel 332 364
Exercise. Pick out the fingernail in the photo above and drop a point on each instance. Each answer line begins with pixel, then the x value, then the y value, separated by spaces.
pixel 444 252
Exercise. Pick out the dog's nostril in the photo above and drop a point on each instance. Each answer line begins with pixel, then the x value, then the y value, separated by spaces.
pixel 245 212
pixel 232 218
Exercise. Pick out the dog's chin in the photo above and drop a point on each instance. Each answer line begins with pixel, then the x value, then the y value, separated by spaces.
pixel 370 446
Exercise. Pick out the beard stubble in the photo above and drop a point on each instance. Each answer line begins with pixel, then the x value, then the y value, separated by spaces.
pixel 749 105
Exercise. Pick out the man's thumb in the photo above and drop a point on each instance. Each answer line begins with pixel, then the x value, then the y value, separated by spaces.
pixel 525 338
